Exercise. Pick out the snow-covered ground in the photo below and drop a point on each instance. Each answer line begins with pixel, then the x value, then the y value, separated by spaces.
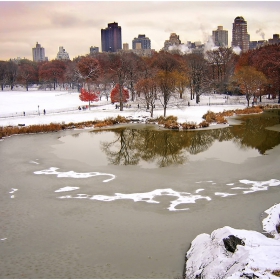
pixel 62 106
pixel 207 257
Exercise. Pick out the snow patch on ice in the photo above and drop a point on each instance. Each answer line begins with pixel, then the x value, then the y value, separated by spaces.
pixel 259 185
pixel 224 194
pixel 150 197
pixel 13 191
pixel 73 174
pixel 67 189
pixel 34 162
pixel 199 190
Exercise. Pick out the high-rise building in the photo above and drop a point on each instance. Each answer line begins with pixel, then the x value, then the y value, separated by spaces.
pixel 38 53
pixel 143 40
pixel 274 40
pixel 173 40
pixel 111 38
pixel 62 54
pixel 125 46
pixel 220 37
pixel 240 37
pixel 93 50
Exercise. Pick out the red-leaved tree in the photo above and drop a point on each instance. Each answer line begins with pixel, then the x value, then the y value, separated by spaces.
pixel 115 94
pixel 89 96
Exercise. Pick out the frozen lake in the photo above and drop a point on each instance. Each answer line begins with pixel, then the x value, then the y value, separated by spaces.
pixel 127 202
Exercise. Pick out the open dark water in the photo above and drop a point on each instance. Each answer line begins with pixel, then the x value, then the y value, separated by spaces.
pixel 126 202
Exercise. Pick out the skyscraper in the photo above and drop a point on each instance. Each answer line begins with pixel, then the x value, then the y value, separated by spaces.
pixel 143 40
pixel 111 38
pixel 174 40
pixel 240 37
pixel 62 54
pixel 93 50
pixel 38 53
pixel 220 37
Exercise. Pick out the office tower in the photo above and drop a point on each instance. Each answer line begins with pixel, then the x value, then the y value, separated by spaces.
pixel 125 46
pixel 220 37
pixel 62 54
pixel 274 40
pixel 173 40
pixel 143 40
pixel 240 37
pixel 38 53
pixel 93 50
pixel 111 38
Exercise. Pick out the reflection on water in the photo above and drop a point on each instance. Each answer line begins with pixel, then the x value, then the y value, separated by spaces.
pixel 148 147
pixel 233 144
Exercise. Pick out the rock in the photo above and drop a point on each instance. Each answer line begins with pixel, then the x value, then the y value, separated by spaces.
pixel 231 242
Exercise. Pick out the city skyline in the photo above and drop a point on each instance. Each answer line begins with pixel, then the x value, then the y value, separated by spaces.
pixel 77 25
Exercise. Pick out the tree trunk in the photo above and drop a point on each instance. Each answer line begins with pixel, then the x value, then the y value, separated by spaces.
pixel 197 98
pixel 121 98
pixel 152 111
pixel 248 102
pixel 164 111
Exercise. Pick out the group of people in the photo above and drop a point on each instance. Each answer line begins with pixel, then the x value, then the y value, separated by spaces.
pixel 83 107
pixel 127 106
pixel 44 111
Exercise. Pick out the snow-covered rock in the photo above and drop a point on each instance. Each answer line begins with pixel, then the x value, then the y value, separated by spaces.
pixel 257 257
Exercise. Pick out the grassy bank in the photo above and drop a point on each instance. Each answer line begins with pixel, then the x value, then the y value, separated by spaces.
pixel 169 122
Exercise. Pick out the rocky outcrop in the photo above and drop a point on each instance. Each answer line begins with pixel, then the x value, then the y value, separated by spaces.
pixel 231 242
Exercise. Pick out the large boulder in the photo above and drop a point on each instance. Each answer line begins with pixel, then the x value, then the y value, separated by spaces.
pixel 231 243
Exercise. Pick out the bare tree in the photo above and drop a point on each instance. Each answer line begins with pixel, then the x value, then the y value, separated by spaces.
pixel 88 70
pixel 198 74
pixel 148 88
pixel 249 80
pixel 3 74
pixel 119 68
pixel 166 63
pixel 221 63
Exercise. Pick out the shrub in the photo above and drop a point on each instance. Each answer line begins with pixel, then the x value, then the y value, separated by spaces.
pixel 203 124
pixel 209 116
pixel 190 125
pixel 120 119
pixel 276 273
pixel 163 120
pixel 171 124
pixel 220 119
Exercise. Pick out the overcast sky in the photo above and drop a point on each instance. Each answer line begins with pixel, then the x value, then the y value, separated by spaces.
pixel 76 25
